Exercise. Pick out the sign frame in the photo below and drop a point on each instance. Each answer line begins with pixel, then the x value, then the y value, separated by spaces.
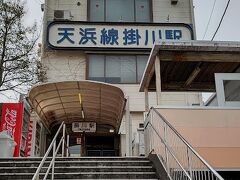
pixel 189 27
pixel 81 131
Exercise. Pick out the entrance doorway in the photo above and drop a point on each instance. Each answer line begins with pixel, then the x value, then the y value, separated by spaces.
pixel 100 146
pixel 94 145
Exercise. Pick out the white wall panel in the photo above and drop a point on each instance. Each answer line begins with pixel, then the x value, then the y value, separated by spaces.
pixel 65 66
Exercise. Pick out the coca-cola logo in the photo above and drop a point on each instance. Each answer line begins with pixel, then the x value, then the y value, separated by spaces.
pixel 11 117
pixel 10 121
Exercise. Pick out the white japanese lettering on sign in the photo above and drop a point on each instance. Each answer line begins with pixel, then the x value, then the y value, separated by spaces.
pixel 84 127
pixel 77 35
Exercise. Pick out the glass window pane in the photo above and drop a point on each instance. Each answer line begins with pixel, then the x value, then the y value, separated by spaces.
pixel 142 11
pixel 118 69
pixel 141 64
pixel 128 69
pixel 120 10
pixel 113 72
pixel 96 68
pixel 232 90
pixel 97 10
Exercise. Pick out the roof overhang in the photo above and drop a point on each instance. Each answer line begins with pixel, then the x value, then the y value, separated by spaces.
pixel 190 65
pixel 60 101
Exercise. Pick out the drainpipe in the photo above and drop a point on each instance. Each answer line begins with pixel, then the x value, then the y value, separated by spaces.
pixel 128 127
pixel 44 29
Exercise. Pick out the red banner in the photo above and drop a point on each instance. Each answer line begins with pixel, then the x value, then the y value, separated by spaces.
pixel 12 118
pixel 29 139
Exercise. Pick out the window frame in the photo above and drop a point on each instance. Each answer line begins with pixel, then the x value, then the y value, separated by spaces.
pixel 219 83
pixel 150 13
pixel 135 55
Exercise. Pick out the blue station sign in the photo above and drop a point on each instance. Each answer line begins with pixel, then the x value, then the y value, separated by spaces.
pixel 83 35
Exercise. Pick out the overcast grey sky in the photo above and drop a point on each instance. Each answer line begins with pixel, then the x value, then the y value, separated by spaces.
pixel 229 30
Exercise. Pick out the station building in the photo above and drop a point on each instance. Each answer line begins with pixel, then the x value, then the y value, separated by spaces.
pixel 106 41
pixel 108 62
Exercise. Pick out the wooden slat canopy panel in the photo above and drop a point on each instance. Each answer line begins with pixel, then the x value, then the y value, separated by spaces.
pixel 59 101
pixel 190 65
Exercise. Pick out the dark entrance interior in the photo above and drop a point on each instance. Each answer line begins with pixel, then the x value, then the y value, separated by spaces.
pixel 94 145
pixel 101 146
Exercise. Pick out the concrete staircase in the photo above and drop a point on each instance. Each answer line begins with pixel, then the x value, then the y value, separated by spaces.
pixel 80 168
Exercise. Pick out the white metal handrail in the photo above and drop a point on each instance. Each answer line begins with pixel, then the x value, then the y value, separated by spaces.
pixel 55 150
pixel 178 157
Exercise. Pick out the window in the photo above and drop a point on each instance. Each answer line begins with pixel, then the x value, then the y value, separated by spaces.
pixel 96 67
pixel 231 90
pixel 119 10
pixel 24 133
pixel 37 140
pixel 227 88
pixel 141 64
pixel 116 69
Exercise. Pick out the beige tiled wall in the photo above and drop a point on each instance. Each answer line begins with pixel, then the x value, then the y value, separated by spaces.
pixel 79 13
pixel 136 118
pixel 163 11
pixel 137 102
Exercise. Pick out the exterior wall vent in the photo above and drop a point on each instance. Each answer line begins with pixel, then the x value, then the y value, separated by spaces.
pixel 62 15
pixel 42 7
pixel 141 125
pixel 174 2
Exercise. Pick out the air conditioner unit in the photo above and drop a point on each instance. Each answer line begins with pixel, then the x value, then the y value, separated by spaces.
pixel 42 7
pixel 62 15
pixel 174 2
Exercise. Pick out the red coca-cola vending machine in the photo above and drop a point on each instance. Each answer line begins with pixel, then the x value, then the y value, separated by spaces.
pixel 15 119
pixel 11 121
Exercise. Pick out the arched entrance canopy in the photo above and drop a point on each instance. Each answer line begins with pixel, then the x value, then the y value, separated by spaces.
pixel 64 101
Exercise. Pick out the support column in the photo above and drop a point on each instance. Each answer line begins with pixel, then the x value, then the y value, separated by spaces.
pixel 128 127
pixel 158 79
pixel 146 100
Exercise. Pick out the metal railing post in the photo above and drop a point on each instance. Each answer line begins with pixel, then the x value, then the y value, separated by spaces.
pixel 150 137
pixel 166 150
pixel 63 143
pixel 54 148
pixel 189 162
pixel 53 165
pixel 67 145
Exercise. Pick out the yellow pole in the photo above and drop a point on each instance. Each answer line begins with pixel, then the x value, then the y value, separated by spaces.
pixel 80 101
pixel 80 98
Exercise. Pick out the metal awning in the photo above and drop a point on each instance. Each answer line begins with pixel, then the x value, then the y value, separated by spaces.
pixel 190 65
pixel 64 101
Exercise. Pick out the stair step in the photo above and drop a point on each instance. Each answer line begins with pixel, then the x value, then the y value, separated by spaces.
pixel 108 179
pixel 85 175
pixel 80 169
pixel 77 159
pixel 76 163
